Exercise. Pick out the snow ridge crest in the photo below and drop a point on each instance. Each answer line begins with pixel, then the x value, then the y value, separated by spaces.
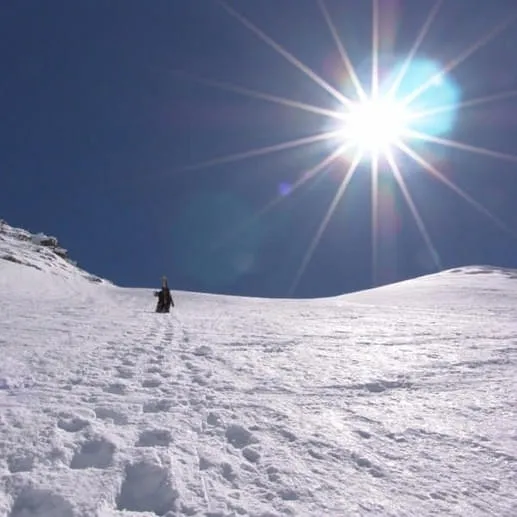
pixel 38 251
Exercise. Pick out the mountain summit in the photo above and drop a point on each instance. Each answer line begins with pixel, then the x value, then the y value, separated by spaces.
pixel 397 401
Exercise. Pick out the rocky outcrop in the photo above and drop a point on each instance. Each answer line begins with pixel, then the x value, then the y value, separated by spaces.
pixel 38 250
pixel 50 242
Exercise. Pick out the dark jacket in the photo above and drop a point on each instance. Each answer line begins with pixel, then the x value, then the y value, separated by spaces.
pixel 165 300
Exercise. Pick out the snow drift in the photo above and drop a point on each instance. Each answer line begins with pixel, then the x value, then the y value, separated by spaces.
pixel 397 401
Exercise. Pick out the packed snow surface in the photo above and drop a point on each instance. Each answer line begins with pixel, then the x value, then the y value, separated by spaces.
pixel 399 401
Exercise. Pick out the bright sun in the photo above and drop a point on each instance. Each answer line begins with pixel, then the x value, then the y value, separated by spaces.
pixel 375 126
pixel 391 108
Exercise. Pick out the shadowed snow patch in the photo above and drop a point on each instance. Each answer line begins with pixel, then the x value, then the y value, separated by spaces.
pixel 151 383
pixel 239 436
pixel 377 386
pixel 72 425
pixel 117 388
pixel 41 503
pixel 203 350
pixel 363 462
pixel 108 413
pixel 95 453
pixel 156 406
pixel 154 438
pixel 147 488
pixel 20 463
pixel 228 472
pixel 125 372
pixel 251 454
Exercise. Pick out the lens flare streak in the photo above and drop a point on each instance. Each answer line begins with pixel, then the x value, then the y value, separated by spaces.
pixel 305 177
pixel 287 55
pixel 328 215
pixel 446 181
pixel 414 210
pixel 349 67
pixel 464 147
pixel 248 92
pixel 290 144
pixel 414 49
pixel 381 155
pixel 462 57
pixel 465 104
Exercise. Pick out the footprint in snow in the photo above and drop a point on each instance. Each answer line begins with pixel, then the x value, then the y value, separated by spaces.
pixel 151 383
pixel 108 413
pixel 157 406
pixel 20 463
pixel 117 388
pixel 228 472
pixel 154 438
pixel 214 420
pixel 288 494
pixel 73 424
pixel 363 434
pixel 203 350
pixel 147 487
pixel 239 436
pixel 363 462
pixel 125 372
pixel 202 379
pixel 251 454
pixel 273 474
pixel 94 453
pixel 32 502
pixel 288 435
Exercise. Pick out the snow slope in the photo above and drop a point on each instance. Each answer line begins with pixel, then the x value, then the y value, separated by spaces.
pixel 399 401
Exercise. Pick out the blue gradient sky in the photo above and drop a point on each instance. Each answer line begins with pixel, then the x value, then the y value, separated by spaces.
pixel 99 130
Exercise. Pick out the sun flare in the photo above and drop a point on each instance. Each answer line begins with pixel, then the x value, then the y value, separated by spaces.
pixel 413 104
pixel 375 126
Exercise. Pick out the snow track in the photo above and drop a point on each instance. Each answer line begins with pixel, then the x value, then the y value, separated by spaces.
pixel 232 407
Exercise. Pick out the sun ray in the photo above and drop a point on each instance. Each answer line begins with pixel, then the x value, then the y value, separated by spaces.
pixel 343 53
pixel 371 102
pixel 446 181
pixel 375 50
pixel 465 104
pixel 481 42
pixel 463 147
pixel 306 176
pixel 287 55
pixel 256 94
pixel 414 210
pixel 290 144
pixel 420 38
pixel 374 193
pixel 324 223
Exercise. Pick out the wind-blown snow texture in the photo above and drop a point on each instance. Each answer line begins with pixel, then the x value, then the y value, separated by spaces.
pixel 397 401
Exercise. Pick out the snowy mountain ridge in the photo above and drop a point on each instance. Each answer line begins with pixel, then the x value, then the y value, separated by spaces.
pixel 39 251
pixel 43 252
pixel 396 401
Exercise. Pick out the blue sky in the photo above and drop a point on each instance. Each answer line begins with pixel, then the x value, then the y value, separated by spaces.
pixel 108 108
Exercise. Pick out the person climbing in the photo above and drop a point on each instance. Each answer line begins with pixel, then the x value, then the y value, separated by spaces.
pixel 165 300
